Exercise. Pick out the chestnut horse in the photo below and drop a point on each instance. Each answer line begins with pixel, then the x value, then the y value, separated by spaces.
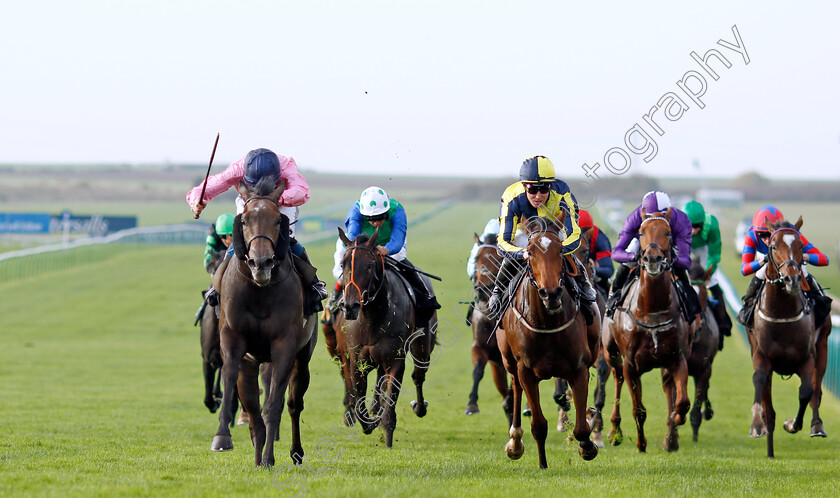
pixel 703 349
pixel 649 331
pixel 783 338
pixel 261 300
pixel 376 330
pixel 484 346
pixel 545 335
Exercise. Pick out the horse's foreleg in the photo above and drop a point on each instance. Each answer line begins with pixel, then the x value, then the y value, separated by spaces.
pixel 580 385
pixel 282 363
pixel 634 382
pixel 761 379
pixel 212 387
pixel 769 414
pixel 602 369
pixel 500 380
pixel 479 362
pixel 388 387
pixel 421 352
pixel 821 361
pixel 298 385
pixel 615 436
pixel 806 392
pixel 539 425
pixel 249 393
pixel 701 393
pixel 671 442
pixel 233 348
pixel 680 375
pixel 514 447
pixel 359 400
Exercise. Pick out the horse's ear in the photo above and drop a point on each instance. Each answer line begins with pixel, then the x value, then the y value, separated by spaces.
pixel 343 237
pixel 239 247
pixel 281 247
pixel 708 273
pixel 643 213
pixel 244 190
pixel 275 195
pixel 668 215
pixel 768 225
pixel 798 224
pixel 372 241
pixel 476 238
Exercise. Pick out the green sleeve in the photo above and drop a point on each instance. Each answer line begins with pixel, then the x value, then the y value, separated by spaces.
pixel 714 244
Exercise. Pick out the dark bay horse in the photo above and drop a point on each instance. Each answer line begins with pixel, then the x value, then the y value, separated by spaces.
pixel 484 347
pixel 783 338
pixel 376 330
pixel 648 331
pixel 545 335
pixel 261 300
pixel 703 349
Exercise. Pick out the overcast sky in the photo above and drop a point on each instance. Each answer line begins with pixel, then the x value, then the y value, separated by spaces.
pixel 422 87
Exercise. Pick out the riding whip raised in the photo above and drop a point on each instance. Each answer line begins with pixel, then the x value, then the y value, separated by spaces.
pixel 204 187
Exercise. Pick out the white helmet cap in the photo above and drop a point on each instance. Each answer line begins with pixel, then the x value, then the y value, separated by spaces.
pixel 374 201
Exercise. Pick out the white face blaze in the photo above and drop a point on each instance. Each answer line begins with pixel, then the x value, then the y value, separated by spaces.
pixel 545 242
pixel 789 238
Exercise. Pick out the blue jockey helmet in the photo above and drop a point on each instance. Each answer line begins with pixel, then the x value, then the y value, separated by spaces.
pixel 260 163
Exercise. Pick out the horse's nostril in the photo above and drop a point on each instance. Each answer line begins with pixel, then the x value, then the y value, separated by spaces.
pixel 543 293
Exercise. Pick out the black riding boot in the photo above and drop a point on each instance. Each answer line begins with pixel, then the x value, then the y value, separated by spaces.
pixel 748 301
pixel 509 268
pixel 723 320
pixel 819 301
pixel 426 301
pixel 619 280
pixel 692 302
pixel 316 289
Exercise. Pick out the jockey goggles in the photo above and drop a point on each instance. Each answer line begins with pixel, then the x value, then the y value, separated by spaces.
pixel 538 188
pixel 377 217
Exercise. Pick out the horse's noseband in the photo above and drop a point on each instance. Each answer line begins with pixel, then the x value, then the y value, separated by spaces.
pixel 249 260
pixel 786 279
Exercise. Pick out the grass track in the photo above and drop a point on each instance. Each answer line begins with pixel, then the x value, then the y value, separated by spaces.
pixel 102 392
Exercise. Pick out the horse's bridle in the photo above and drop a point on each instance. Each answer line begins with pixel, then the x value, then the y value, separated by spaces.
pixel 666 263
pixel 275 262
pixel 365 296
pixel 776 267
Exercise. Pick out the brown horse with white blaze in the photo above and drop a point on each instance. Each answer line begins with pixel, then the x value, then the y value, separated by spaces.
pixel 261 300
pixel 545 335
pixel 648 331
pixel 782 338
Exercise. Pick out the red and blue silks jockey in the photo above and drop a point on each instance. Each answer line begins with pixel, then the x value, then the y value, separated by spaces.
pixel 627 248
pixel 754 257
pixel 537 193
pixel 600 251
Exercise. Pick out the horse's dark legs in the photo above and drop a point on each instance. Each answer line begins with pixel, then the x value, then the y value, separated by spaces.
pixel 821 360
pixel 265 379
pixel 282 363
pixel 769 414
pixel 212 387
pixel 562 400
pixel 233 348
pixel 421 352
pixel 806 392
pixel 539 425
pixel 761 379
pixel 298 384
pixel 701 393
pixel 616 436
pixel 358 399
pixel 634 382
pixel 389 389
pixel 514 447
pixel 603 371
pixel 479 358
pixel 249 392
pixel 580 386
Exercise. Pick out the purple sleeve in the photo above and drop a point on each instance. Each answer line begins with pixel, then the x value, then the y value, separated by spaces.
pixel 629 231
pixel 681 233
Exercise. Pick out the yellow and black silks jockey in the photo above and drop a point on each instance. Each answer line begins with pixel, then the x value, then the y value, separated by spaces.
pixel 537 193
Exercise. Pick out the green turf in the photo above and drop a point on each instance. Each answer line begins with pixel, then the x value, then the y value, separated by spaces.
pixel 102 393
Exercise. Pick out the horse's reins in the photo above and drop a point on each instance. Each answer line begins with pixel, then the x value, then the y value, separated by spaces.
pixel 363 300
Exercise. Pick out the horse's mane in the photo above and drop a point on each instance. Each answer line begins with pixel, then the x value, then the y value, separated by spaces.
pixel 782 224
pixel 491 239
pixel 265 186
pixel 361 239
pixel 696 271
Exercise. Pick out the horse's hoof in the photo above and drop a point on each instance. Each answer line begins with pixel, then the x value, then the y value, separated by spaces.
pixel 591 415
pixel 671 444
pixel 419 410
pixel 472 409
pixel 222 443
pixel 526 412
pixel 598 439
pixel 818 431
pixel 588 450
pixel 758 432
pixel 708 413
pixel 514 449
pixel 790 426
pixel 562 420
pixel 615 437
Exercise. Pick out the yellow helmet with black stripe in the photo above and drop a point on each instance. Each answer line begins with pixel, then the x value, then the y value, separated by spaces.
pixel 536 169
